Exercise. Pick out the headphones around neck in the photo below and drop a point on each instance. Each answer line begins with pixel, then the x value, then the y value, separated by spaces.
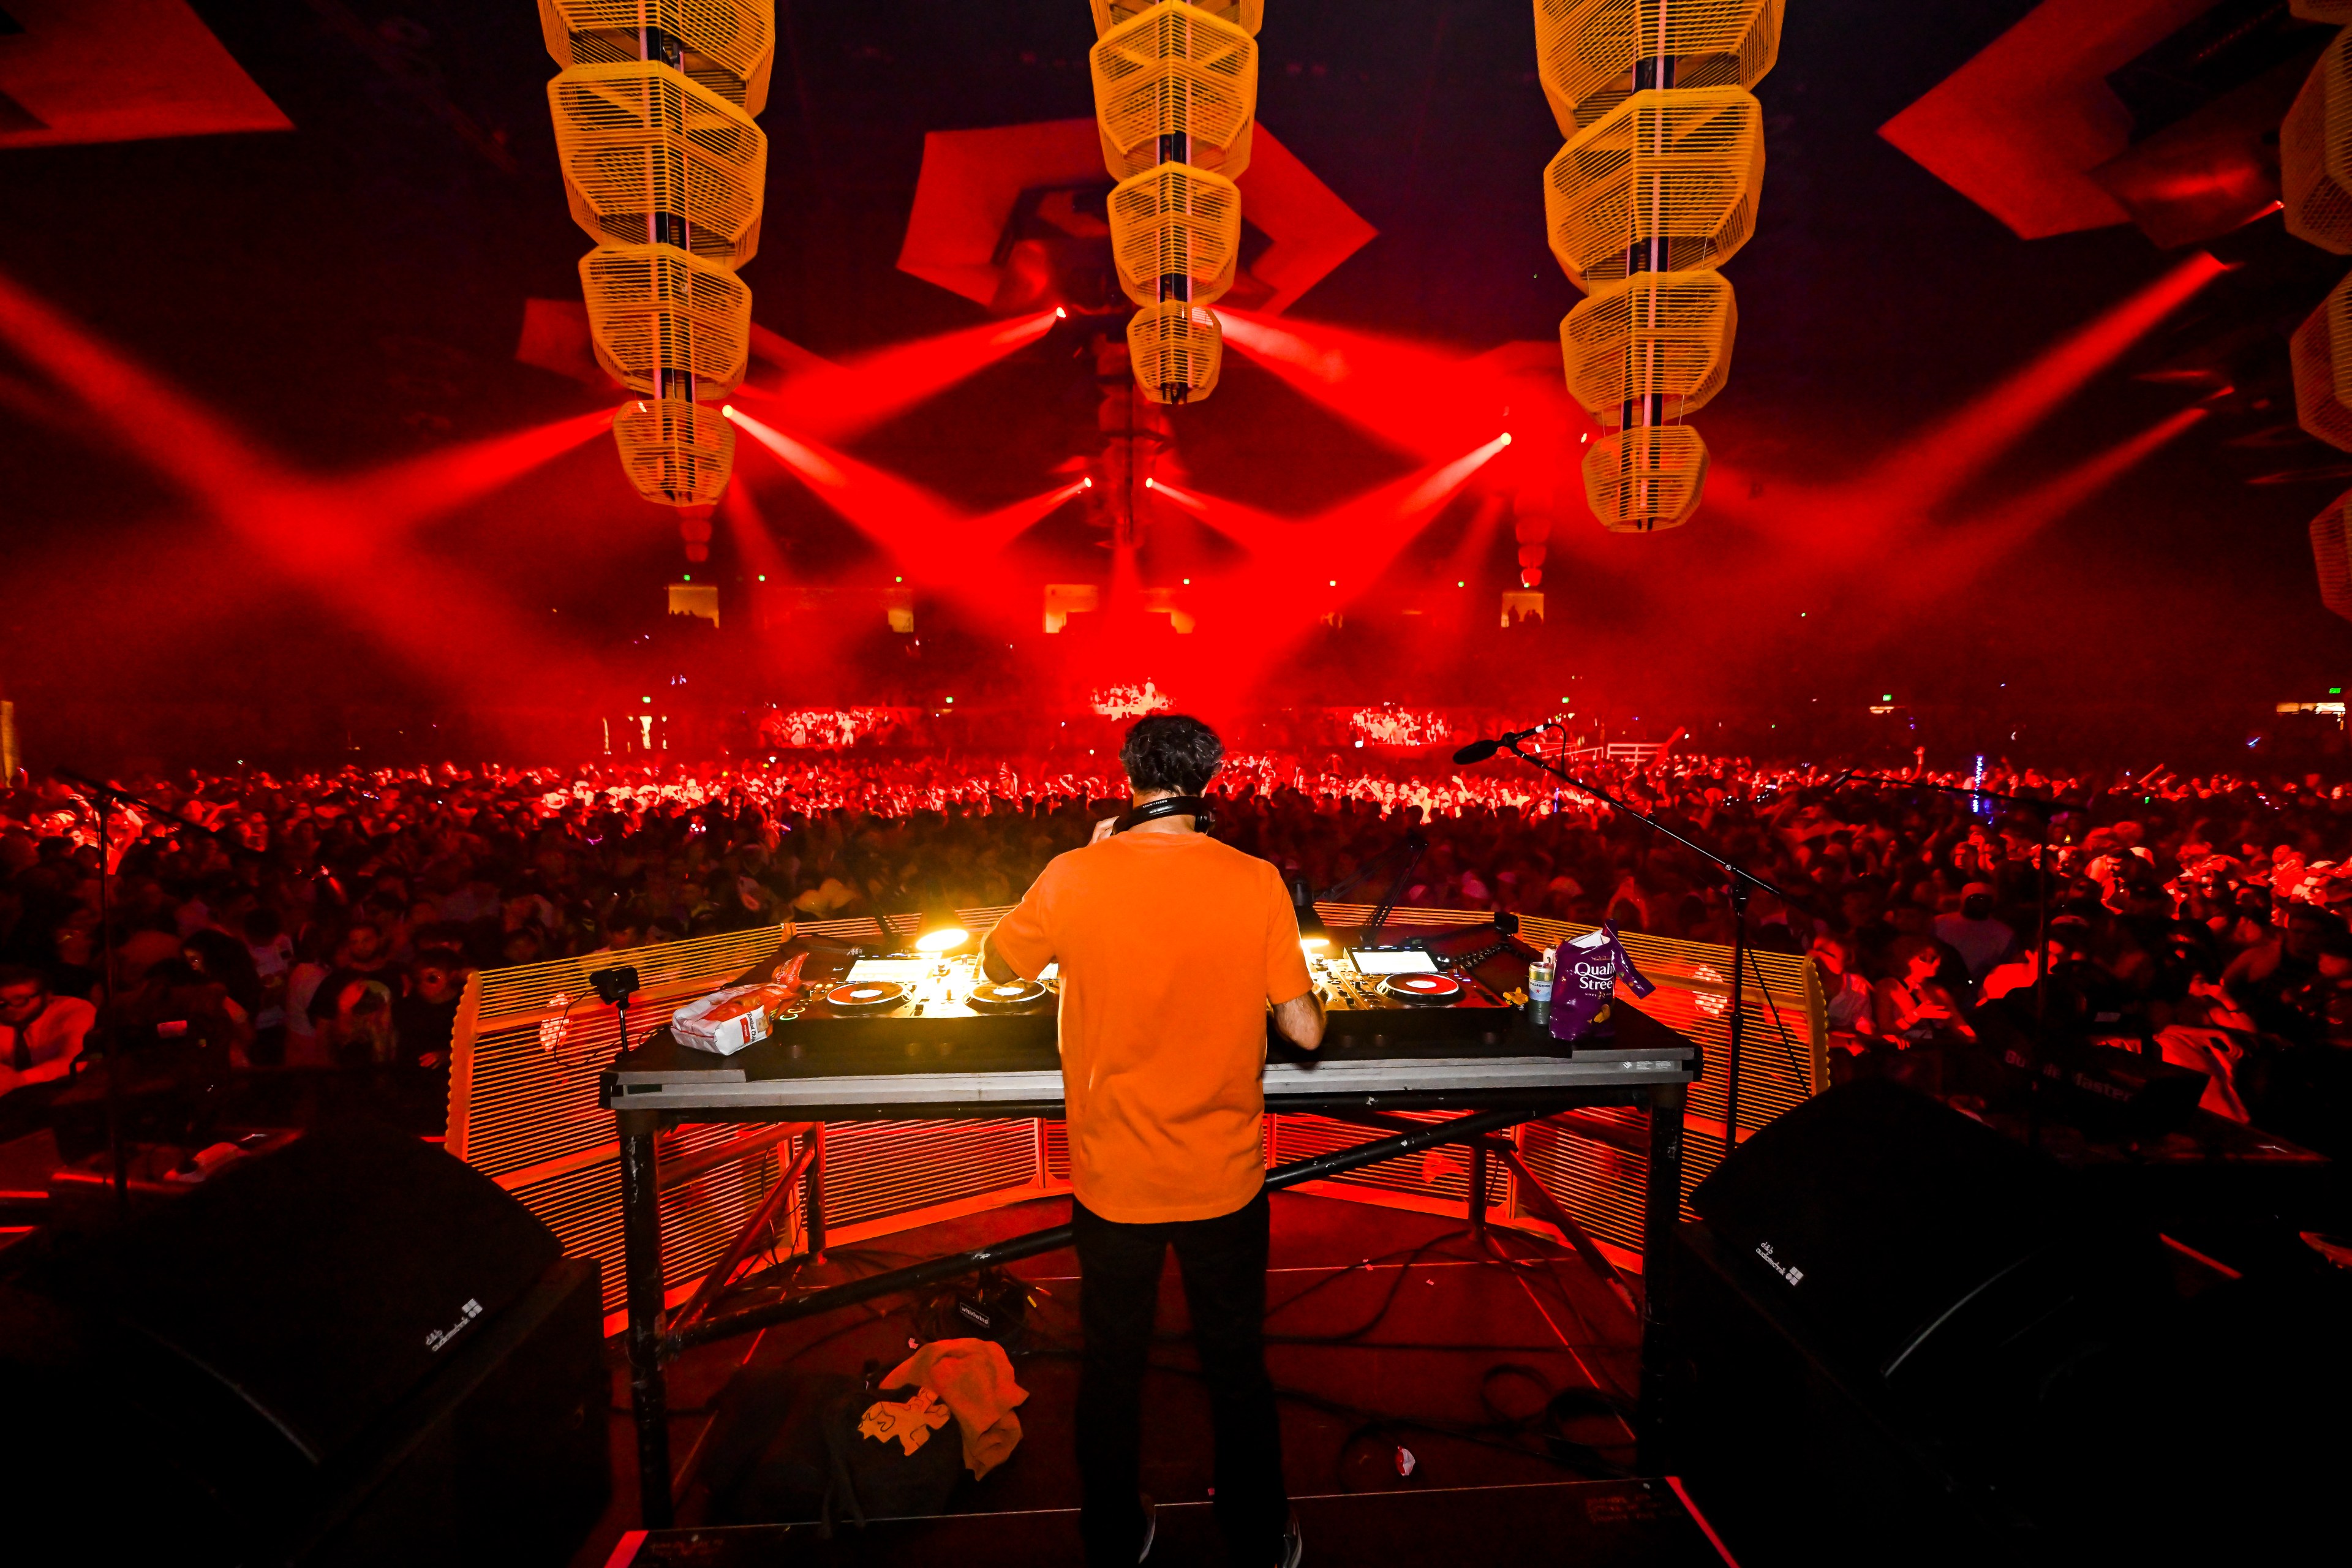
pixel 1202 812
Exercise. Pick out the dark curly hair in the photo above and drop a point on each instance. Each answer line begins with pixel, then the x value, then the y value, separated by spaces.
pixel 1172 751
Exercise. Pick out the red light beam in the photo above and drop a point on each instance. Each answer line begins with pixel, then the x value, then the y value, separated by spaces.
pixel 1931 466
pixel 1952 563
pixel 836 402
pixel 1419 399
pixel 292 524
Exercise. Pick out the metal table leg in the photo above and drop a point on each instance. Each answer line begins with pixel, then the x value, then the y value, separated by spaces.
pixel 813 1195
pixel 1662 1207
pixel 641 1252
pixel 1478 1190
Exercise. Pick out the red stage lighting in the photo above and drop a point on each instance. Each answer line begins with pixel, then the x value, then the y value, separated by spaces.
pixel 1415 397
pixel 1971 549
pixel 320 534
pixel 934 542
pixel 1931 466
pixel 836 402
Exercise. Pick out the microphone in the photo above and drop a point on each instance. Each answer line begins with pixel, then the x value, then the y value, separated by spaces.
pixel 1479 750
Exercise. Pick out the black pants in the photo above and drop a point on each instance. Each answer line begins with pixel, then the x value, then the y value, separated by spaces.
pixel 1223 1265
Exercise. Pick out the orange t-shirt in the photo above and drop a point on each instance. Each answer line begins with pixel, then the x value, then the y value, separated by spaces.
pixel 1171 946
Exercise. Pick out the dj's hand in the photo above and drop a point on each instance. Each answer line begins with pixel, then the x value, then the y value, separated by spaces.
pixel 1104 829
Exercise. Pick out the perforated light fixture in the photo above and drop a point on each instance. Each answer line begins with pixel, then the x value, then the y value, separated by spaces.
pixel 1175 97
pixel 2316 153
pixel 1175 70
pixel 655 307
pixel 1176 346
pixel 2321 354
pixel 1642 481
pixel 1175 221
pixel 1586 50
pixel 1654 190
pixel 1246 14
pixel 2331 555
pixel 640 143
pixel 1662 335
pixel 665 169
pixel 1682 167
pixel 728 46
pixel 675 451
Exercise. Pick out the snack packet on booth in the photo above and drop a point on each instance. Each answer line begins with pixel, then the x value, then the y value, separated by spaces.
pixel 1590 968
pixel 727 1021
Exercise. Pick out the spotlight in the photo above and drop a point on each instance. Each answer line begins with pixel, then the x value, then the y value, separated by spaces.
pixel 1061 313
pixel 1147 484
pixel 943 939
pixel 727 411
pixel 1312 932
pixel 1085 484
pixel 1507 438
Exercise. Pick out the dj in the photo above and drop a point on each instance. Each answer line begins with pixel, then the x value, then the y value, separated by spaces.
pixel 1172 946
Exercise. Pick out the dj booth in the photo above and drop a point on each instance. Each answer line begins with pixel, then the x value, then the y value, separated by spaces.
pixel 897 1093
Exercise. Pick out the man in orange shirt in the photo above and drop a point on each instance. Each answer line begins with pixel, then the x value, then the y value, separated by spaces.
pixel 1171 947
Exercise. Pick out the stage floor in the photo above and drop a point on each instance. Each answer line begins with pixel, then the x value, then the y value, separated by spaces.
pixel 1388 1329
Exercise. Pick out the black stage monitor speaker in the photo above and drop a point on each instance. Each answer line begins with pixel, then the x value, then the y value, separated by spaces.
pixel 1887 1291
pixel 351 1347
pixel 1905 1241
pixel 322 1282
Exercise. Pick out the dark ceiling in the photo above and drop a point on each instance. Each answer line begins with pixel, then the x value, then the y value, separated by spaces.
pixel 349 293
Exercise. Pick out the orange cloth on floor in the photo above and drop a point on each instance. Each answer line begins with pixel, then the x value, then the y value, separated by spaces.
pixel 976 1381
pixel 1171 946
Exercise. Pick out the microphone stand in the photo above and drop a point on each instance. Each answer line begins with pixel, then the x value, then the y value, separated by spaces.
pixel 105 798
pixel 1743 882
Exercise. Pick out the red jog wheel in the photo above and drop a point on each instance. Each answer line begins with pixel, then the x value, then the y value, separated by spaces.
pixel 864 996
pixel 1423 990
pixel 1011 994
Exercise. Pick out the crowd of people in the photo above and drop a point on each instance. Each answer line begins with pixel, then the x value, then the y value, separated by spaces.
pixel 331 919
